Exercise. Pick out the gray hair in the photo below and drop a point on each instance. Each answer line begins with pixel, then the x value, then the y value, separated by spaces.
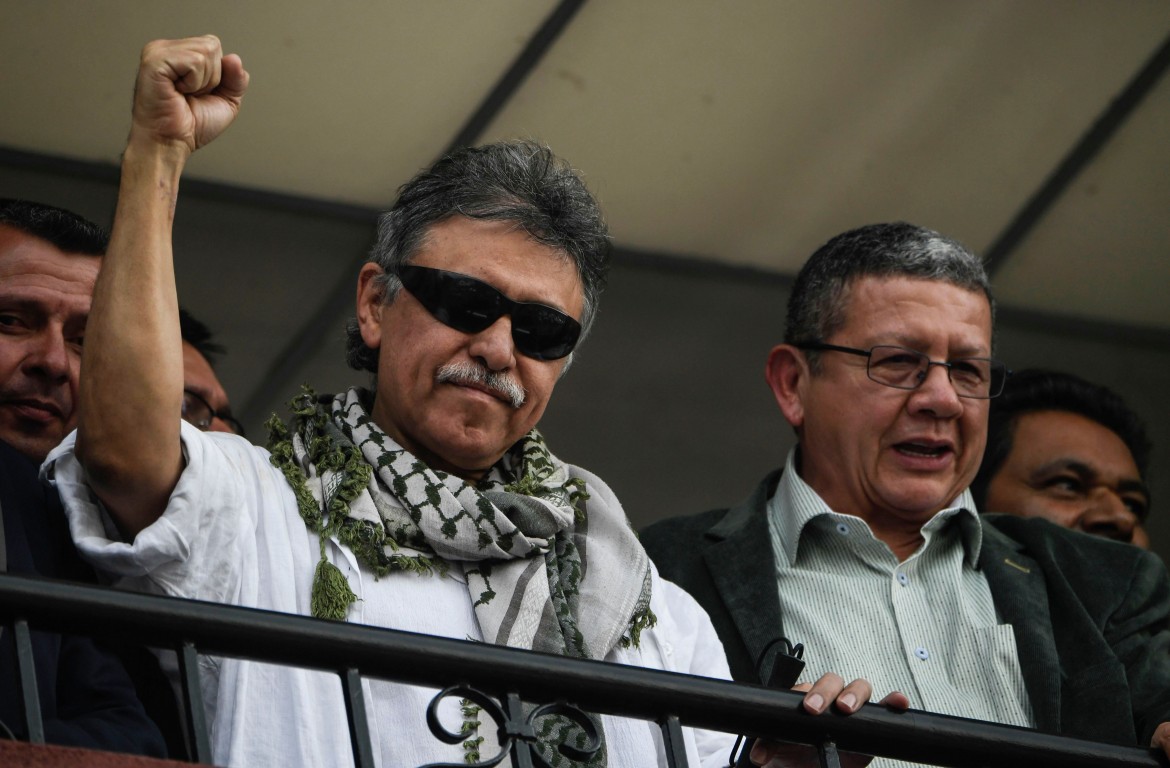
pixel 515 181
pixel 820 295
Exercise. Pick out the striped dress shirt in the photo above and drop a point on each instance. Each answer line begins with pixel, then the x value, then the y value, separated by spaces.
pixel 926 627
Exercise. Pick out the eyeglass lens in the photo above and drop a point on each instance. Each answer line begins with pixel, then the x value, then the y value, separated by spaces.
pixel 199 412
pixel 907 369
pixel 469 305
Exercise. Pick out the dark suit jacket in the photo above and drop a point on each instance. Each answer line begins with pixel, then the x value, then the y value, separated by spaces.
pixel 87 700
pixel 1091 616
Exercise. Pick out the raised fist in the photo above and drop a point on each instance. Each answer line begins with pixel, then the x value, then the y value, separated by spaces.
pixel 187 92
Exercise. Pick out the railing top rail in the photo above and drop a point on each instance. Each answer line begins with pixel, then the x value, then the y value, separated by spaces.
pixel 597 686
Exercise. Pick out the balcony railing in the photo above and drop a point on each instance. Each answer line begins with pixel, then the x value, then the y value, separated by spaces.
pixel 506 677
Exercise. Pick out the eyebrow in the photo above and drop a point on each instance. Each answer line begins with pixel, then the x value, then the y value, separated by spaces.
pixel 15 300
pixel 1134 486
pixel 19 300
pixel 917 344
pixel 1084 470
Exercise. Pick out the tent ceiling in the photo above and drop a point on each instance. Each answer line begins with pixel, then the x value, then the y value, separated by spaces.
pixel 740 133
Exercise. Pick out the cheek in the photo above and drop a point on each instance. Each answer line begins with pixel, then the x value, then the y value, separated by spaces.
pixel 1022 499
pixel 1062 512
pixel 9 361
pixel 974 424
pixel 538 381
pixel 1002 494
pixel 407 377
pixel 405 355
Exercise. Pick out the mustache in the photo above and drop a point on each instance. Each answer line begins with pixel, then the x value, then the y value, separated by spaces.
pixel 470 373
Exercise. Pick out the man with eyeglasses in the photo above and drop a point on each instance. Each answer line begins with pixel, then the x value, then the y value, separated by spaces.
pixel 428 504
pixel 866 547
pixel 205 402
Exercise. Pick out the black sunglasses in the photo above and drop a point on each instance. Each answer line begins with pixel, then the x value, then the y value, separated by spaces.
pixel 471 305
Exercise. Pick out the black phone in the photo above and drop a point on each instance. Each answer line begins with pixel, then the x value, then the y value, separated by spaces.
pixel 787 664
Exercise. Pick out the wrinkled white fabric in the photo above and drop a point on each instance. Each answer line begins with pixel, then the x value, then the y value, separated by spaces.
pixel 231 533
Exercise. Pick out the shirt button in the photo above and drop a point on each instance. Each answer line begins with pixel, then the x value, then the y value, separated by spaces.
pixel 842 529
pixel 922 653
pixel 903 579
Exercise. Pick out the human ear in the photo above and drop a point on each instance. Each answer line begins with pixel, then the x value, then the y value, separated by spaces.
pixel 370 303
pixel 787 374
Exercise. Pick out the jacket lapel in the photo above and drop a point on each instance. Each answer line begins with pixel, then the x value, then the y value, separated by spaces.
pixel 1017 586
pixel 740 560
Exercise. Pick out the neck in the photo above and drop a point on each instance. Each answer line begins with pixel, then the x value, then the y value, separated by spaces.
pixel 902 541
pixel 470 476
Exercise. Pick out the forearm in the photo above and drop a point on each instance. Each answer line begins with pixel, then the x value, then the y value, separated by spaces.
pixel 132 367
pixel 131 390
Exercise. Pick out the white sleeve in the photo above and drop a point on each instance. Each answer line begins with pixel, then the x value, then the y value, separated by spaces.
pixel 695 649
pixel 199 545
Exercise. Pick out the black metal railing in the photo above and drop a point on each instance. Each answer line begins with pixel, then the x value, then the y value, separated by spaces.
pixel 509 677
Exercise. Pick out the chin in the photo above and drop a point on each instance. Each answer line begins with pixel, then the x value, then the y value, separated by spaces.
pixel 922 505
pixel 466 458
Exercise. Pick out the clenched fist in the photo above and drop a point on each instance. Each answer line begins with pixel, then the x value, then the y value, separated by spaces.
pixel 187 92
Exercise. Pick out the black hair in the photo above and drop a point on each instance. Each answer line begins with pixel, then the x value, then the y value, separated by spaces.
pixel 1035 389
pixel 63 229
pixel 820 294
pixel 198 335
pixel 516 181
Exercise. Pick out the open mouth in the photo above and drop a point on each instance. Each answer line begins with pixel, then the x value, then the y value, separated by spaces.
pixel 924 450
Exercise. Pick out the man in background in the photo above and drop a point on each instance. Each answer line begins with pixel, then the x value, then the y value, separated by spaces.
pixel 1067 450
pixel 49 260
pixel 205 402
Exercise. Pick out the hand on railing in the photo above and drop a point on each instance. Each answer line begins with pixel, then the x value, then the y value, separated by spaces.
pixel 1161 739
pixel 830 689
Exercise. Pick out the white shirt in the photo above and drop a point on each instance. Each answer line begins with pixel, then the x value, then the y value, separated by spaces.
pixel 231 533
pixel 926 626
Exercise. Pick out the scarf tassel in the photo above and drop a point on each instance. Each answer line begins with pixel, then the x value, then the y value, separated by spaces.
pixel 332 595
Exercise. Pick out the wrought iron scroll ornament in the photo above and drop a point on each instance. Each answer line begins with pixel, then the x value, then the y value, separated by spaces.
pixel 516 729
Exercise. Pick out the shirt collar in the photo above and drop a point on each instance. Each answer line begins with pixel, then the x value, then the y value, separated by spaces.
pixel 795 504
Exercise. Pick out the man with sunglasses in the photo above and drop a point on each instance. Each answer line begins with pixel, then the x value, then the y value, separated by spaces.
pixel 866 547
pixel 428 504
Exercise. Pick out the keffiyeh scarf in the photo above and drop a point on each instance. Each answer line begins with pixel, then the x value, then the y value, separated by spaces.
pixel 526 536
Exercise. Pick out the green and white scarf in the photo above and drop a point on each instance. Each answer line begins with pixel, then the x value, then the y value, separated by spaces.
pixel 548 568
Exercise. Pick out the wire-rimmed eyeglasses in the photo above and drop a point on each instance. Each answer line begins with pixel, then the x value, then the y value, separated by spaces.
pixel 200 413
pixel 980 378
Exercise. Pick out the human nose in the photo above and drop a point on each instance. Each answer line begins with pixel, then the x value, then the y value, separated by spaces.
pixel 1108 516
pixel 493 346
pixel 936 395
pixel 48 356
